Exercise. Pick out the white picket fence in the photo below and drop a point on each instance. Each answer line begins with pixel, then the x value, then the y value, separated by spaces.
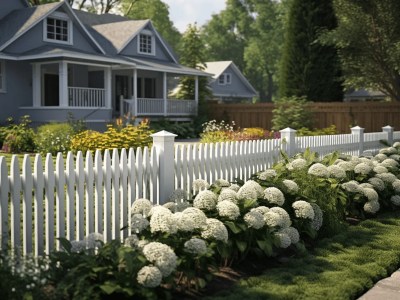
pixel 79 195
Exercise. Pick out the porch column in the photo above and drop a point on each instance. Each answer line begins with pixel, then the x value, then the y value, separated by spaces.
pixel 196 92
pixel 165 94
pixel 36 86
pixel 107 87
pixel 135 92
pixel 63 83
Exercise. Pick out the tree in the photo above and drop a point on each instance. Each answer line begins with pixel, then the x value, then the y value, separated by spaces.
pixel 227 32
pixel 193 56
pixel 263 50
pixel 95 6
pixel 368 40
pixel 310 68
pixel 158 12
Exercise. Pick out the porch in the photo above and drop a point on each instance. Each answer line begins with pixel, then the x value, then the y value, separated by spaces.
pixel 143 107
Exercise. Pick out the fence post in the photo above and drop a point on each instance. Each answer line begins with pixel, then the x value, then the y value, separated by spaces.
pixel 163 141
pixel 389 131
pixel 360 133
pixel 289 135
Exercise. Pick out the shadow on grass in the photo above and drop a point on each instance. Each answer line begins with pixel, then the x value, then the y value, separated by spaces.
pixel 341 267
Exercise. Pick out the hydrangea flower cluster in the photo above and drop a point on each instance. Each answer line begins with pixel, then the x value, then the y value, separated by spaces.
pixel 195 246
pixel 234 187
pixel 395 199
pixel 293 234
pixel 377 183
pixel 205 200
pixel 351 186
pixel 162 220
pixel 396 185
pixel 371 194
pixel 267 174
pixel 162 256
pixel 318 220
pixel 215 230
pixel 222 183
pixel 254 219
pixel 228 195
pixel 284 239
pixel 318 170
pixel 379 169
pixel 149 276
pixel 191 219
pixel 346 166
pixel 200 185
pixel 362 168
pixel 290 186
pixel 371 207
pixel 274 196
pixel 336 172
pixel 297 164
pixel 141 206
pixel 228 209
pixel 303 209
pixel 387 177
pixel 390 163
pixel 138 223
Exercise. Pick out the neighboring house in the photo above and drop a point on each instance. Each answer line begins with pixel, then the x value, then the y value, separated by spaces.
pixel 364 95
pixel 55 60
pixel 228 84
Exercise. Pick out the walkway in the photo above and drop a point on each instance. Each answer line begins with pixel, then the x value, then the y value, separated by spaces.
pixel 386 289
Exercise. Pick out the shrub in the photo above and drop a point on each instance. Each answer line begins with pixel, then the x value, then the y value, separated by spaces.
pixel 18 137
pixel 116 136
pixel 183 130
pixel 53 138
pixel 293 112
pixel 315 132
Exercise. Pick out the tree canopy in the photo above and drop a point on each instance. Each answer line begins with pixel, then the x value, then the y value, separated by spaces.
pixel 368 41
pixel 310 68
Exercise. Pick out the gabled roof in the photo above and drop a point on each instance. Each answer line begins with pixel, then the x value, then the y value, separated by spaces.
pixel 15 24
pixel 218 67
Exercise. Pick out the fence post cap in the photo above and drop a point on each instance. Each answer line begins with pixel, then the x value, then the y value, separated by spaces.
pixel 388 127
pixel 163 133
pixel 288 129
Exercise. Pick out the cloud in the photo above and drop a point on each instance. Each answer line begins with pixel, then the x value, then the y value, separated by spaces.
pixel 184 12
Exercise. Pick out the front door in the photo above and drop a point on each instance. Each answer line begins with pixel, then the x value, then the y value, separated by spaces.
pixel 51 90
pixel 121 89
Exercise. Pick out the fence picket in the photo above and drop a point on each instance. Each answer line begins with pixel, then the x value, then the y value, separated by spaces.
pixel 5 187
pixel 154 178
pixel 115 171
pixel 70 178
pixel 139 173
pixel 38 184
pixel 107 176
pixel 15 189
pixel 80 196
pixel 49 183
pixel 123 165
pixel 60 196
pixel 27 187
pixel 89 197
pixel 98 195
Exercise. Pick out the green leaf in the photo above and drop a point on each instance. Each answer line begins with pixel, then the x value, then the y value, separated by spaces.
pixel 265 246
pixel 110 287
pixel 202 283
pixel 232 226
pixel 65 244
pixel 242 245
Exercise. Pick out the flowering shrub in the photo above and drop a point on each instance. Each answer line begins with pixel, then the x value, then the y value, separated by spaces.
pixel 116 136
pixel 17 138
pixel 53 138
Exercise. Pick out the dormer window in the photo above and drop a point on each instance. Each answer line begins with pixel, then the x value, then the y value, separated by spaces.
pixel 58 29
pixel 224 78
pixel 146 43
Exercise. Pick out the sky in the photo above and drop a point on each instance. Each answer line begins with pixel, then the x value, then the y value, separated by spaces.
pixel 184 12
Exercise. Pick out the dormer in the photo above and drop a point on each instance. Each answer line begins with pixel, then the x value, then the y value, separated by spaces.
pixel 57 28
pixel 146 43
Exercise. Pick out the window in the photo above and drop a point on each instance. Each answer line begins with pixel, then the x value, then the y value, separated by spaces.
pixel 146 43
pixel 2 76
pixel 224 78
pixel 57 28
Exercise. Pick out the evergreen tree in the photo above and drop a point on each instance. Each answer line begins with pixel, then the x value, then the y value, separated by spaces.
pixel 309 68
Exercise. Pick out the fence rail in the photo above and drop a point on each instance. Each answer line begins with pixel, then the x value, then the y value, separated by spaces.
pixel 82 194
pixel 86 97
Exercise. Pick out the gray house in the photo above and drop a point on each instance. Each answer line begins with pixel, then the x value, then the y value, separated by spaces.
pixel 55 60
pixel 228 84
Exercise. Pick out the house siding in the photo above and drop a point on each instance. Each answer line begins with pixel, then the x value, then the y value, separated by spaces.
pixel 132 50
pixel 236 88
pixel 18 89
pixel 7 6
pixel 34 39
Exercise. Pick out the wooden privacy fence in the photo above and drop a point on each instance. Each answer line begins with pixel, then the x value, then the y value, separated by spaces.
pixel 78 195
pixel 370 115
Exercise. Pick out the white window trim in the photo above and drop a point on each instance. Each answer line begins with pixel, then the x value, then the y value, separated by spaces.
pixel 63 17
pixel 3 88
pixel 225 81
pixel 153 42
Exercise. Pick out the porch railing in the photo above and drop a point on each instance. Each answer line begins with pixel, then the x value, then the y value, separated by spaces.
pixel 86 97
pixel 158 107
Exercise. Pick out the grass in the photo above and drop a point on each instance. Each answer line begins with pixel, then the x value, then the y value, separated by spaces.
pixel 342 267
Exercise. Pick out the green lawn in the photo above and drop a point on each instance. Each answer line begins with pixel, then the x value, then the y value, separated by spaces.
pixel 342 267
